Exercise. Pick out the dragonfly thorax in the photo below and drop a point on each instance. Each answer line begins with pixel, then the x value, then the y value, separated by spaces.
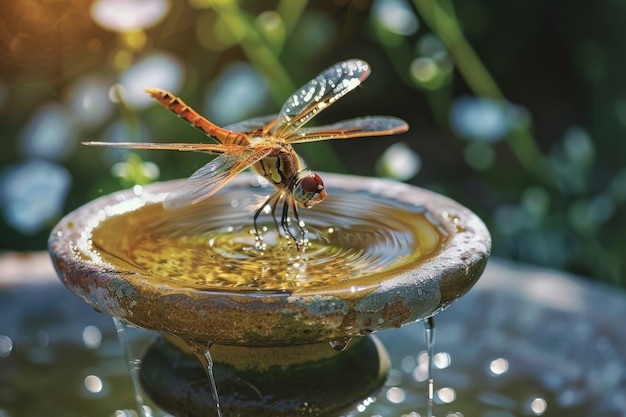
pixel 308 189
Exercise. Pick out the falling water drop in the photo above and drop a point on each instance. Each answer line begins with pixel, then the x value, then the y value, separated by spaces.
pixel 202 352
pixel 133 364
pixel 429 334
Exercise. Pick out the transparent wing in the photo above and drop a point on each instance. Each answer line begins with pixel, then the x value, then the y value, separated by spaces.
pixel 254 125
pixel 353 128
pixel 194 147
pixel 211 177
pixel 321 92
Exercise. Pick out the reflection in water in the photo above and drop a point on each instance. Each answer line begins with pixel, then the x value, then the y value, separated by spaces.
pixel 212 245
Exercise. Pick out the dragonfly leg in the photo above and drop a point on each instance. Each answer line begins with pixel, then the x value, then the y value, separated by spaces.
pixel 274 215
pixel 258 213
pixel 296 215
pixel 284 220
pixel 272 202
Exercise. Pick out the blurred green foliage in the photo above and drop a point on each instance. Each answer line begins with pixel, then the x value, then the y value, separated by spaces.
pixel 517 110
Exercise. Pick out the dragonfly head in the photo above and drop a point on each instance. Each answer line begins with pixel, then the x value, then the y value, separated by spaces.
pixel 308 189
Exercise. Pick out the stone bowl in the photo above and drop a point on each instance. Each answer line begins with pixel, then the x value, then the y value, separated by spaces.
pixel 87 248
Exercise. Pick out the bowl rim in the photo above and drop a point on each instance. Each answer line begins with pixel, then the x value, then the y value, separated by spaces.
pixel 392 298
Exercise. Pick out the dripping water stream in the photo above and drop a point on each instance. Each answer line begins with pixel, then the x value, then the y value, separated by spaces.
pixel 429 335
pixel 202 352
pixel 133 364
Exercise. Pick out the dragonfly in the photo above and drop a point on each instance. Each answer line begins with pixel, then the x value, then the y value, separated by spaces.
pixel 265 144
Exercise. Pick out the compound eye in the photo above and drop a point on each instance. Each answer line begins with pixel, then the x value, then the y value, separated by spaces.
pixel 312 184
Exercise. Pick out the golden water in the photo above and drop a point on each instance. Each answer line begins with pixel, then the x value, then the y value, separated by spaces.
pixel 212 245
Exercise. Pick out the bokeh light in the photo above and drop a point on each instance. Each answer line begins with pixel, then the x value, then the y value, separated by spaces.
pixel 216 34
pixel 128 15
pixel 399 162
pixel 424 69
pixel 578 146
pixel 479 155
pixel 238 93
pixel 396 16
pixel 446 395
pixel 157 70
pixel 442 360
pixel 479 118
pixel 396 395
pixel 89 100
pixel 93 384
pixel 6 346
pixel 617 186
pixel 499 366
pixel 50 134
pixel 133 170
pixel 92 337
pixel 316 31
pixel 538 406
pixel 32 193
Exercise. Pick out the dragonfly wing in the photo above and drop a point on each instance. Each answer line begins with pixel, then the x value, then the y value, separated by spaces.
pixel 324 90
pixel 211 177
pixel 353 128
pixel 254 125
pixel 195 147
